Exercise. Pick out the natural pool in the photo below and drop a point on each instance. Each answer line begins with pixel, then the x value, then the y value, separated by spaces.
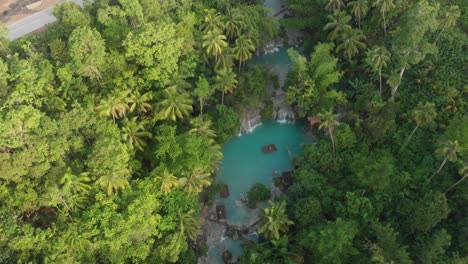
pixel 244 164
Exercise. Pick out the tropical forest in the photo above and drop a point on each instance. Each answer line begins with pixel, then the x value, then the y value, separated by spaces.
pixel 236 131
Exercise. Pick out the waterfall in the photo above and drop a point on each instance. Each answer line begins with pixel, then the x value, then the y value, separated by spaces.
pixel 285 115
pixel 250 120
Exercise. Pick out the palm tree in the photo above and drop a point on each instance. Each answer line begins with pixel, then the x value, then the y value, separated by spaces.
pixel 213 21
pixel 339 24
pixel 196 181
pixel 328 120
pixel 378 58
pixel 359 9
pixel 188 223
pixel 202 127
pixel 225 59
pixel 141 103
pixel 243 50
pixel 168 181
pixel 175 104
pixel 274 220
pixel 449 20
pixel 214 42
pixel 235 22
pixel 351 42
pixel 112 182
pixel 225 81
pixel 423 114
pixel 448 150
pixel 133 133
pixel 115 105
pixel 202 91
pixel 335 6
pixel 74 189
pixel 384 6
pixel 463 172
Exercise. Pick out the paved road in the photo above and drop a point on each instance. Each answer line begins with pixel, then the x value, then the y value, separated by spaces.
pixel 33 22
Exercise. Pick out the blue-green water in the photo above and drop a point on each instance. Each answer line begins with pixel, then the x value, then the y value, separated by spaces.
pixel 244 164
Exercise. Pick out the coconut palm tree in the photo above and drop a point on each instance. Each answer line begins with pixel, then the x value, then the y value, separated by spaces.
pixel 202 127
pixel 422 114
pixel 448 150
pixel 274 220
pixel 328 120
pixel 141 103
pixel 175 104
pixel 188 223
pixel 235 23
pixel 112 182
pixel 168 181
pixel 74 189
pixel 214 42
pixel 243 50
pixel 213 21
pixel 463 171
pixel 133 133
pixel 378 59
pixel 449 20
pixel 225 81
pixel 351 43
pixel 335 6
pixel 196 181
pixel 115 105
pixel 225 60
pixel 384 6
pixel 359 9
pixel 339 24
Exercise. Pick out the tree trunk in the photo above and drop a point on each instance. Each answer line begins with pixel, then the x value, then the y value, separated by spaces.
pixel 408 139
pixel 440 33
pixel 439 169
pixel 451 187
pixel 380 80
pixel 333 143
pixel 384 25
pixel 201 109
pixel 222 97
pixel 394 91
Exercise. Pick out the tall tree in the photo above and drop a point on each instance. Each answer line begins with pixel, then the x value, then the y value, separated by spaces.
pixel 339 24
pixel 378 59
pixel 335 6
pixel 213 21
pixel 214 42
pixel 463 171
pixel 243 49
pixel 175 104
pixel 196 180
pixel 116 104
pixel 167 180
pixel 188 223
pixel 385 6
pixel 235 23
pixel 202 91
pixel 202 127
pixel 351 43
pixel 141 103
pixel 329 121
pixel 449 19
pixel 422 114
pixel 225 81
pixel 274 220
pixel 448 150
pixel 133 132
pixel 359 9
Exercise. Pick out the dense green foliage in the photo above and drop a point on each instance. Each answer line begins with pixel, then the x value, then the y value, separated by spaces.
pixel 111 123
pixel 259 192
pixel 385 183
pixel 104 144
